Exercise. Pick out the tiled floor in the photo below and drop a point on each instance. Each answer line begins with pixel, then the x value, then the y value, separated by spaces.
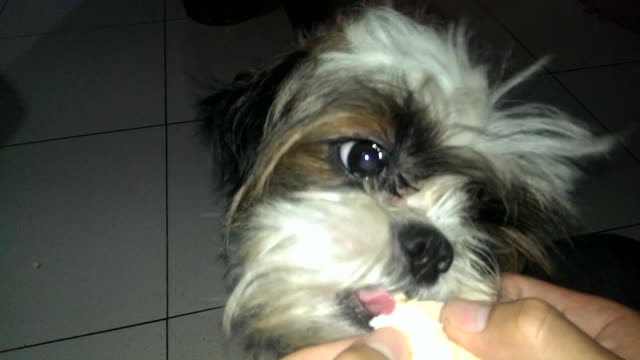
pixel 109 225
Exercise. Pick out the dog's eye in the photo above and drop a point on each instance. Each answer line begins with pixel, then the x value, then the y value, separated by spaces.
pixel 363 158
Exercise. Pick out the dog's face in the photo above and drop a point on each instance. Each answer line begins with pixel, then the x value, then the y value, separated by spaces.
pixel 378 159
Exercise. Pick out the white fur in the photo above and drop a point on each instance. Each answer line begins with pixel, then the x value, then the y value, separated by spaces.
pixel 328 243
pixel 530 141
pixel 299 252
pixel 433 64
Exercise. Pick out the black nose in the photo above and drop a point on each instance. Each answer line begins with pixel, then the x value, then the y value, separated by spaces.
pixel 427 250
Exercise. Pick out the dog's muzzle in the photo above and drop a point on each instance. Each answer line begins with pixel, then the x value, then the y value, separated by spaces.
pixel 427 250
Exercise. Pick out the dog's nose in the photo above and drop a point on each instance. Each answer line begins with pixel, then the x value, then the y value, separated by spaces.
pixel 428 251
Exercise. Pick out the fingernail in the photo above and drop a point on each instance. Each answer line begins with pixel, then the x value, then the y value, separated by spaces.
pixel 389 342
pixel 468 316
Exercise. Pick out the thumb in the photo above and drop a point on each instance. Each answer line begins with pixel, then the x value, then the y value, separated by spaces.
pixel 382 344
pixel 527 329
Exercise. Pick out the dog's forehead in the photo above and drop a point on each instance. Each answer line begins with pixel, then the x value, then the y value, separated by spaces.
pixel 375 63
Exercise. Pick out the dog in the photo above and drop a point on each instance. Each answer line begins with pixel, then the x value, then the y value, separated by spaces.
pixel 378 158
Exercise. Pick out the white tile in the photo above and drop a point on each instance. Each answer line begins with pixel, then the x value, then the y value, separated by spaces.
pixel 83 235
pixel 39 16
pixel 196 214
pixel 145 342
pixel 200 337
pixel 85 82
pixel 631 231
pixel 611 94
pixel 198 56
pixel 563 29
pixel 607 197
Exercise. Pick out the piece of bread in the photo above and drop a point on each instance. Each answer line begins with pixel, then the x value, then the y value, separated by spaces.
pixel 418 320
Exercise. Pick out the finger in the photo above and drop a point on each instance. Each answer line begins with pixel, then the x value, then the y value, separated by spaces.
pixel 360 351
pixel 390 342
pixel 321 352
pixel 573 305
pixel 384 343
pixel 528 329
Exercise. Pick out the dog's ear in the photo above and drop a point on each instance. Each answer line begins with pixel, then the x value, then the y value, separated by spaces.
pixel 234 117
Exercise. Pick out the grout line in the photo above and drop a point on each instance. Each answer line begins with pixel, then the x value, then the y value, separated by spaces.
pixel 557 80
pixel 90 29
pixel 81 136
pixel 195 312
pixel 100 133
pixel 176 19
pixel 621 63
pixel 82 335
pixel 620 227
pixel 99 332
pixel 166 178
pixel 83 30
pixel 620 144
pixel 611 229
pixel 534 56
pixel 507 30
pixel 184 121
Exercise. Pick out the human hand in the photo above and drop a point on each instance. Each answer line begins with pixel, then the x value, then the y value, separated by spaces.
pixel 382 344
pixel 543 321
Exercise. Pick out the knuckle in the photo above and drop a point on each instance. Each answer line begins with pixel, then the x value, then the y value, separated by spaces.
pixel 534 319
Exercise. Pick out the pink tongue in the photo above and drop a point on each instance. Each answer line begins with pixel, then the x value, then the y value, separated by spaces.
pixel 377 301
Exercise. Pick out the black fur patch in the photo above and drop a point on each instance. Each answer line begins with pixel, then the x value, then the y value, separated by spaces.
pixel 234 118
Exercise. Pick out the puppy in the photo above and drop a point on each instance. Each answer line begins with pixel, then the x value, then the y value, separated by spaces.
pixel 379 159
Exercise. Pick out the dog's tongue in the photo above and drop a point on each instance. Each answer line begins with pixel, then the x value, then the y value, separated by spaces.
pixel 378 302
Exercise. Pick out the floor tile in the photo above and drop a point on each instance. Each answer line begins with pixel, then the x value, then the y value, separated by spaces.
pixel 200 337
pixel 175 10
pixel 199 55
pixel 21 18
pixel 196 213
pixel 145 342
pixel 563 29
pixel 611 94
pixel 489 41
pixel 546 90
pixel 631 231
pixel 78 83
pixel 83 240
pixel 608 195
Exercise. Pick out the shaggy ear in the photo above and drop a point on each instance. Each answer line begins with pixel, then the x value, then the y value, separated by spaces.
pixel 234 118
